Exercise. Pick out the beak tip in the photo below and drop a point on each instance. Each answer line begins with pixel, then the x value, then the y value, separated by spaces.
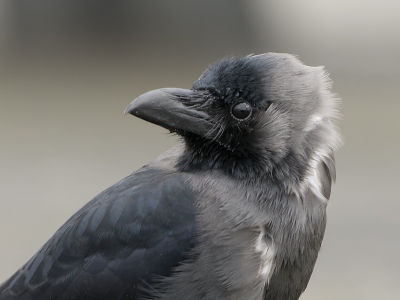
pixel 131 109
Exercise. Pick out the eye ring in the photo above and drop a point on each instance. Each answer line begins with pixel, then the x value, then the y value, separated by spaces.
pixel 241 111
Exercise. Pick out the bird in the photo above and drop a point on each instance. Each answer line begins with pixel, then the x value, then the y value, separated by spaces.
pixel 236 210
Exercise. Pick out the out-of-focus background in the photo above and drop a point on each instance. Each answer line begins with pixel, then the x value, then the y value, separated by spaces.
pixel 68 69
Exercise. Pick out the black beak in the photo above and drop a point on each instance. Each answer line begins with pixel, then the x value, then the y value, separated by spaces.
pixel 166 107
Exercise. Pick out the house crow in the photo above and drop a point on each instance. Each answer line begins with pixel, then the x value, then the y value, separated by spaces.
pixel 237 210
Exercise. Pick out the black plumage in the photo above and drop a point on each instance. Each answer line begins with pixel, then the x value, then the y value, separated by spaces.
pixel 236 211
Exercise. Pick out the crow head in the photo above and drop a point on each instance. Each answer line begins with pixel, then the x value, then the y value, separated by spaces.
pixel 261 114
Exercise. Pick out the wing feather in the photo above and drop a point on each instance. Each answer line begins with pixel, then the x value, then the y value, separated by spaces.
pixel 125 238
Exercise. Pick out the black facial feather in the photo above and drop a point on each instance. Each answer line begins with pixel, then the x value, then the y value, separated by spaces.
pixel 223 85
pixel 232 79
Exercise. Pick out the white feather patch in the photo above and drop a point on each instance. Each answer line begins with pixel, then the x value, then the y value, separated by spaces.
pixel 312 123
pixel 267 255
pixel 313 179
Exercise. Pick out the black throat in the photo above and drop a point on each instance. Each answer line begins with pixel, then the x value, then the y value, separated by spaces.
pixel 202 154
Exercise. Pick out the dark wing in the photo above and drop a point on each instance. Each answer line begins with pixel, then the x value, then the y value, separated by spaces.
pixel 125 238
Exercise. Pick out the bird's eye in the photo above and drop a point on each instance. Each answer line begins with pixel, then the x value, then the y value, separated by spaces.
pixel 241 111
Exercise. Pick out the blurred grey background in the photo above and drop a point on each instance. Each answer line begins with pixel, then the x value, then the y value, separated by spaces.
pixel 69 68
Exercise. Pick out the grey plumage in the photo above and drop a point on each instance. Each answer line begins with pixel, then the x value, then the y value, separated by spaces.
pixel 236 211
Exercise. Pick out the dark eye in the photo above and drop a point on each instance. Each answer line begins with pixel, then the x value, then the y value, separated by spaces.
pixel 241 111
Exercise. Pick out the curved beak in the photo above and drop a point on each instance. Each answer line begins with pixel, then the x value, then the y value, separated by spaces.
pixel 167 108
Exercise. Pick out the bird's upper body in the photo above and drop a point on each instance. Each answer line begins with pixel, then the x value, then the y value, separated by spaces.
pixel 235 211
